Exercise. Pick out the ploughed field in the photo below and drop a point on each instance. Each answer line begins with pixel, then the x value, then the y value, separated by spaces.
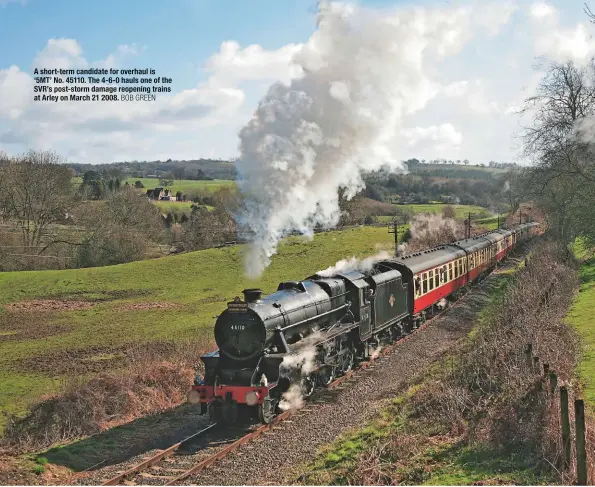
pixel 56 325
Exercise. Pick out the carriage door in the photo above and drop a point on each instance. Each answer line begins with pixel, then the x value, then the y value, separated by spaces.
pixel 365 313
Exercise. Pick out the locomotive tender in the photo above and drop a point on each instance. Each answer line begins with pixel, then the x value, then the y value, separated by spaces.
pixel 307 332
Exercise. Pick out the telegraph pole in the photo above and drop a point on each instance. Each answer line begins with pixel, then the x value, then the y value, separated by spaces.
pixel 468 225
pixel 498 220
pixel 393 227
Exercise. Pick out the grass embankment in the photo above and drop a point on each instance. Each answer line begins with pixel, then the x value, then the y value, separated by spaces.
pixel 481 416
pixel 58 324
pixel 582 317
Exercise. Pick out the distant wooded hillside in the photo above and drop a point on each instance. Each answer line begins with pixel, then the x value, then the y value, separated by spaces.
pixel 196 169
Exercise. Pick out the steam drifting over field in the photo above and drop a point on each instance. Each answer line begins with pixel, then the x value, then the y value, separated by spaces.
pixel 354 263
pixel 362 74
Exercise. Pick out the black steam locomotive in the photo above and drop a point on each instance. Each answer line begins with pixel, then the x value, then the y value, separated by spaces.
pixel 308 332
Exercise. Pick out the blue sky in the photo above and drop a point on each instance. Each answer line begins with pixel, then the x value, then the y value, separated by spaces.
pixel 179 38
pixel 179 35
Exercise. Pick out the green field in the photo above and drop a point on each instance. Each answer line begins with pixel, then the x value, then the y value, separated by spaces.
pixel 462 211
pixel 36 345
pixel 171 206
pixel 582 317
pixel 183 185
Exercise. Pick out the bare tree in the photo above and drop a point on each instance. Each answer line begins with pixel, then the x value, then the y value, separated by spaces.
pixel 449 212
pixel 559 143
pixel 565 95
pixel 121 229
pixel 36 192
pixel 589 13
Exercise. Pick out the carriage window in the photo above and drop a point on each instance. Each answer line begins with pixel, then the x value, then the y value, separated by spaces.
pixel 424 280
pixel 437 278
pixel 450 274
pixel 431 280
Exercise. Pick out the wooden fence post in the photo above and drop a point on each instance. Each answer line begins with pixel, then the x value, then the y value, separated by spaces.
pixel 529 352
pixel 553 381
pixel 565 426
pixel 581 450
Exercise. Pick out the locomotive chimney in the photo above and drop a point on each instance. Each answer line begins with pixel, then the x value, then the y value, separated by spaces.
pixel 252 295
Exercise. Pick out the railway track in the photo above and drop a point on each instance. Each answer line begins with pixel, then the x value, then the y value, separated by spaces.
pixel 162 469
pixel 171 466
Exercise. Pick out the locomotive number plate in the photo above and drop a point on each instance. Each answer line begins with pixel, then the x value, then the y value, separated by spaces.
pixel 237 307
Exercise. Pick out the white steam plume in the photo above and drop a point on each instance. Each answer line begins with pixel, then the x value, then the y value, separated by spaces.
pixel 376 353
pixel 292 398
pixel 354 263
pixel 305 362
pixel 431 229
pixel 362 73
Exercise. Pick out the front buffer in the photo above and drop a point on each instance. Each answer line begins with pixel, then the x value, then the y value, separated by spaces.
pixel 225 390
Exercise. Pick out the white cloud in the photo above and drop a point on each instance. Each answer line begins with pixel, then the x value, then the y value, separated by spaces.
pixel 542 10
pixel 232 64
pixel 15 91
pixel 439 136
pixel 469 78
pixel 573 44
pixel 494 15
pixel 213 102
pixel 557 42
pixel 458 88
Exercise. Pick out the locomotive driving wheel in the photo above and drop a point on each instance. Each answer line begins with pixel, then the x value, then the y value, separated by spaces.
pixel 326 376
pixel 308 385
pixel 267 410
pixel 347 361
